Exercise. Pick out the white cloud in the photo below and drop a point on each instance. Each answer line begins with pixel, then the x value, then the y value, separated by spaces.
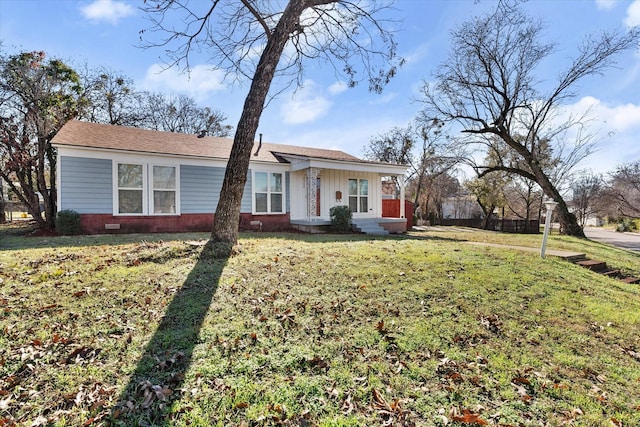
pixel 305 105
pixel 615 127
pixel 110 11
pixel 633 14
pixel 606 4
pixel 337 88
pixel 199 83
pixel 618 118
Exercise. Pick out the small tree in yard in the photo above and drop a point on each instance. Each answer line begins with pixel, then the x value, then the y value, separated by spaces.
pixel 343 33
pixel 37 97
pixel 488 87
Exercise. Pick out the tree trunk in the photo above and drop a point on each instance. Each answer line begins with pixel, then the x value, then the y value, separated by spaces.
pixel 568 221
pixel 227 216
pixel 3 217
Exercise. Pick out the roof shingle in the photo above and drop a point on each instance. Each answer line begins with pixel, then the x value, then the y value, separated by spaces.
pixel 102 136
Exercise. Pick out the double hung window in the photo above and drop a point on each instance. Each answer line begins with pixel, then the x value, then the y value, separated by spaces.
pixel 268 192
pixel 359 195
pixel 144 189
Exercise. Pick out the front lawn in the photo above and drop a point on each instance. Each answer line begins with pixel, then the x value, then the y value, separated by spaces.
pixel 326 330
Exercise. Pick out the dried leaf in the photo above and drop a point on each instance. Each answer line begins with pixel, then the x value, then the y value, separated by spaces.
pixel 468 417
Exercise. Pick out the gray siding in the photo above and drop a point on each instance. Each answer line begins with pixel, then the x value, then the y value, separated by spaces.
pixel 200 189
pixel 86 185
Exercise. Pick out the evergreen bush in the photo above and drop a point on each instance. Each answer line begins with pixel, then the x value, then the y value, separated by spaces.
pixel 68 222
pixel 341 218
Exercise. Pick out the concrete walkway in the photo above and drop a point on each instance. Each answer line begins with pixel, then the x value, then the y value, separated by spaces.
pixel 549 252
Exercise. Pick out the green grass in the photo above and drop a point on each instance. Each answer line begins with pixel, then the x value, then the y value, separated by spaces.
pixel 326 330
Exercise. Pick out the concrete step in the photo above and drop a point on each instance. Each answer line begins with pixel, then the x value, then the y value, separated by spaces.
pixel 370 227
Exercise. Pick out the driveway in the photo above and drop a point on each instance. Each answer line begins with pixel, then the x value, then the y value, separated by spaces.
pixel 630 241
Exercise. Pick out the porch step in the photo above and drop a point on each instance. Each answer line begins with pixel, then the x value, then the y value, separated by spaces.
pixel 368 226
pixel 593 265
pixel 601 268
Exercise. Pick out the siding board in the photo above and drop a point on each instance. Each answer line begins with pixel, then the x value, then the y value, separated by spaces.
pixel 200 189
pixel 86 185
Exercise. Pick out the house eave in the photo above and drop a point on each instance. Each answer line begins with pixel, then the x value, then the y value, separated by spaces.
pixel 76 150
pixel 303 162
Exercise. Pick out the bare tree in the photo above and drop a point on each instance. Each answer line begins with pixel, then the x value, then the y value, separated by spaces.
pixel 586 191
pixel 113 99
pixel 110 98
pixel 181 114
pixel 424 147
pixel 489 87
pixel 623 190
pixel 247 38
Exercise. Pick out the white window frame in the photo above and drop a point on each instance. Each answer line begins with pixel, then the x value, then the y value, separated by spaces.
pixel 148 207
pixel 269 192
pixel 359 196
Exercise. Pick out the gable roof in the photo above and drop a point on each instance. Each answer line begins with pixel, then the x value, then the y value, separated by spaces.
pixel 102 136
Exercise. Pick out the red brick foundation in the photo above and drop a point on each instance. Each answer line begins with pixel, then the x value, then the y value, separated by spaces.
pixel 105 223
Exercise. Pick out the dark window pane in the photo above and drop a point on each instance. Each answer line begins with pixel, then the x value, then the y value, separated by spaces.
pixel 276 203
pixel 164 202
pixel 261 202
pixel 364 204
pixel 353 203
pixel 130 201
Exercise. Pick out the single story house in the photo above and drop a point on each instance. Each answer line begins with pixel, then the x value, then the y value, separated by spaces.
pixel 122 179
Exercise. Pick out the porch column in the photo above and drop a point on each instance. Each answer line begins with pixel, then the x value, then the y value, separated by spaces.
pixel 401 182
pixel 312 191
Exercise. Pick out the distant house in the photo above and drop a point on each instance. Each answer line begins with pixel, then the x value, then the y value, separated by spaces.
pixel 123 179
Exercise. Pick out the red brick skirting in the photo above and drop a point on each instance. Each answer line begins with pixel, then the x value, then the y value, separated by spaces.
pixel 104 223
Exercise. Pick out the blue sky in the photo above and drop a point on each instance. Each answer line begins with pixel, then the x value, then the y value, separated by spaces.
pixel 324 113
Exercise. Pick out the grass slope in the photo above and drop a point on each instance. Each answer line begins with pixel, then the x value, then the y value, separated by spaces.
pixel 314 330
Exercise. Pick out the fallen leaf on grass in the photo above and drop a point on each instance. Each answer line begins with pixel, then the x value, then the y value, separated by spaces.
pixel 151 392
pixel 468 417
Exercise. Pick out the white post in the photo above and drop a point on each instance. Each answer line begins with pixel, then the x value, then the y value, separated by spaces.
pixel 401 182
pixel 551 205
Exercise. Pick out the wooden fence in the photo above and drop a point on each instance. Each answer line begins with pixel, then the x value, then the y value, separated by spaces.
pixel 391 209
pixel 504 225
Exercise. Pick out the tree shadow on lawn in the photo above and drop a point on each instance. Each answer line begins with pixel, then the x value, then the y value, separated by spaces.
pixel 15 242
pixel 344 237
pixel 158 378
